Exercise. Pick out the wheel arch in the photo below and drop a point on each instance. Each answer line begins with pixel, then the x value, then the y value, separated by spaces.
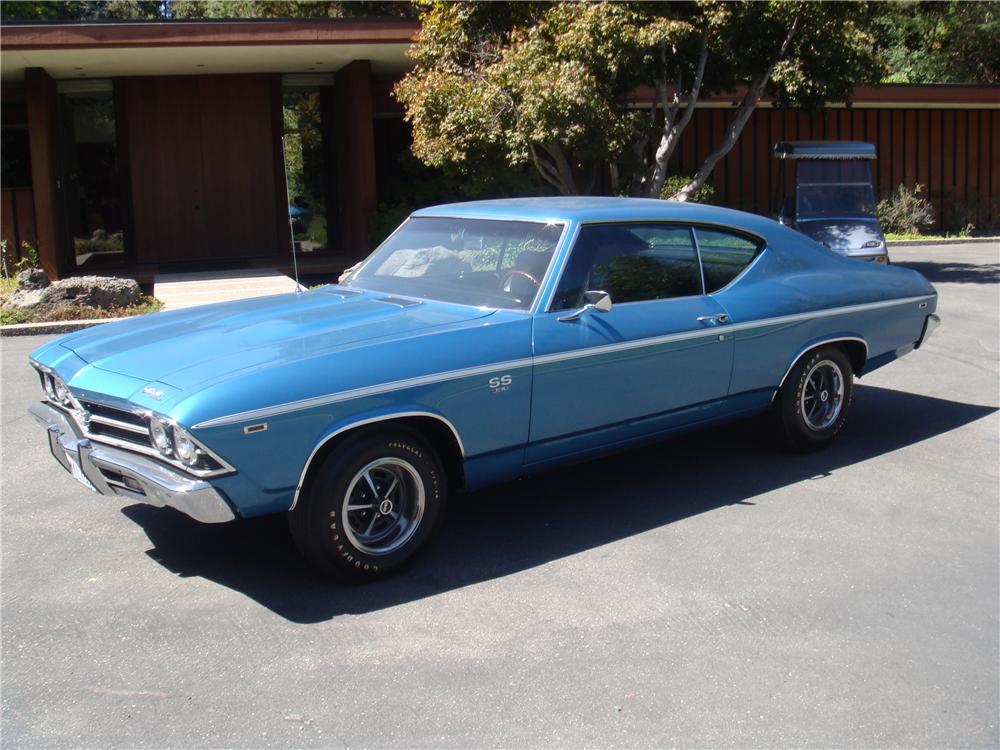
pixel 855 347
pixel 435 429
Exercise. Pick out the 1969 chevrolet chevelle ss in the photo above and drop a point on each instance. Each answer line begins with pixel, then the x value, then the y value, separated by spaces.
pixel 482 341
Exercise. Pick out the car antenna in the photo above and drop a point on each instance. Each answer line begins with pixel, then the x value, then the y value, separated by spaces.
pixel 291 231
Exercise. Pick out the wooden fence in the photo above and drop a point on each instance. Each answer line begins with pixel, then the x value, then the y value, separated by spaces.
pixel 953 153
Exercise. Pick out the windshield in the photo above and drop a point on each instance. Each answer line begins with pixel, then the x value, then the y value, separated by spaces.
pixel 481 262
pixel 834 189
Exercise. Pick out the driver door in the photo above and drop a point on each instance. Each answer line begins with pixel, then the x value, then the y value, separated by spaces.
pixel 660 358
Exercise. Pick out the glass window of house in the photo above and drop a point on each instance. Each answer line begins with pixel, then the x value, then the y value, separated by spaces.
pixel 15 159
pixel 309 173
pixel 723 256
pixel 631 262
pixel 91 187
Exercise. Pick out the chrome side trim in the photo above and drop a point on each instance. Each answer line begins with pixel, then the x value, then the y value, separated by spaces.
pixel 362 423
pixel 804 352
pixel 863 307
pixel 730 328
pixel 396 385
pixel 595 351
pixel 372 390
pixel 697 251
pixel 553 274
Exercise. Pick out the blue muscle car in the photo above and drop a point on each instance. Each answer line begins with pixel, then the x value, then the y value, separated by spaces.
pixel 480 342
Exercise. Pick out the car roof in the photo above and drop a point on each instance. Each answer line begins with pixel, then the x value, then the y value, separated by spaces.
pixel 594 209
pixel 824 150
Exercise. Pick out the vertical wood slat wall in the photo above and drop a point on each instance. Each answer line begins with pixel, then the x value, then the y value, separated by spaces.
pixel 17 221
pixel 953 153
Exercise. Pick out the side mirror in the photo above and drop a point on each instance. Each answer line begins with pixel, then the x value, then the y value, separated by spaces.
pixel 596 300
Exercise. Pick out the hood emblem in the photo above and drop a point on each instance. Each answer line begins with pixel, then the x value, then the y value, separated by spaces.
pixel 153 392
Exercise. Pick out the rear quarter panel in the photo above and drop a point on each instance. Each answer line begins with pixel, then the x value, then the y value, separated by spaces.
pixel 797 294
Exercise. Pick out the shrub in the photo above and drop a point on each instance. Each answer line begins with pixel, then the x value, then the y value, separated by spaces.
pixel 674 182
pixel 975 211
pixel 29 257
pixel 111 244
pixel 905 211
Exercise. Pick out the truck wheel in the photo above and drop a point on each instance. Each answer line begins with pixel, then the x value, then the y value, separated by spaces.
pixel 370 506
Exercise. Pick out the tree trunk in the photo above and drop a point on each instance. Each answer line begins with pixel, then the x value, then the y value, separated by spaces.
pixel 747 106
pixel 552 164
pixel 732 134
pixel 673 128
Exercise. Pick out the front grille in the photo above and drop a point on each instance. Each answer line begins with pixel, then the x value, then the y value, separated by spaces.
pixel 110 412
pixel 118 424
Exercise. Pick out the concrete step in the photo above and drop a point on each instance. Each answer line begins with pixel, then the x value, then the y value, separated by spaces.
pixel 177 290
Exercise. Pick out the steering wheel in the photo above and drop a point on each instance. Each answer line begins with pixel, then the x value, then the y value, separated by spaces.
pixel 517 272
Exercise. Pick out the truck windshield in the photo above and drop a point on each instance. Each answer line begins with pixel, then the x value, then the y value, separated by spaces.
pixel 480 262
pixel 826 189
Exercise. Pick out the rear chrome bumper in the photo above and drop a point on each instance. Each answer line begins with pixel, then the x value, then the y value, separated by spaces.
pixel 112 471
pixel 932 322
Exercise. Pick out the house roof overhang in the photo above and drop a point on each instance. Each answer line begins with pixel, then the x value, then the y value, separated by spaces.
pixel 105 50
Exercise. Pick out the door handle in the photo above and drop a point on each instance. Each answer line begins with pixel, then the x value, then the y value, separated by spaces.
pixel 720 319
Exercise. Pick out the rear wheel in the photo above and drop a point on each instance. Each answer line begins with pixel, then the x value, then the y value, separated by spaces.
pixel 370 506
pixel 815 398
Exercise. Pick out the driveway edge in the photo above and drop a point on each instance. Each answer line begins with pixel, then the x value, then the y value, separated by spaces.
pixel 59 326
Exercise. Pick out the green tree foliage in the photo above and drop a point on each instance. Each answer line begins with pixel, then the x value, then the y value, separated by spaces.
pixel 239 9
pixel 166 10
pixel 552 84
pixel 941 42
pixel 82 10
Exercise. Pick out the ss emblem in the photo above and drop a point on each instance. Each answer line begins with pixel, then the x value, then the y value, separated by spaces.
pixel 500 384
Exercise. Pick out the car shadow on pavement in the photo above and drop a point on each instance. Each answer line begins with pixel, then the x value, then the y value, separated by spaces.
pixel 957 273
pixel 519 525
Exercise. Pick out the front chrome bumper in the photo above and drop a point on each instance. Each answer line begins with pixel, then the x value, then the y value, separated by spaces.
pixel 112 471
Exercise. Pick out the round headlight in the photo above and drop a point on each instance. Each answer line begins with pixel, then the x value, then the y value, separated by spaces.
pixel 185 448
pixel 62 395
pixel 50 390
pixel 159 435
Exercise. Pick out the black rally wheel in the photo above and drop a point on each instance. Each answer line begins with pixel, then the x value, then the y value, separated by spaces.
pixel 370 506
pixel 815 398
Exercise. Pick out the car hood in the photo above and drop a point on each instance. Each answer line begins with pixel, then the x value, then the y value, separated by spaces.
pixel 186 348
pixel 845 236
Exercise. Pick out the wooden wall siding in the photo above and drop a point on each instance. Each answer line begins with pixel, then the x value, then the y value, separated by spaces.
pixel 17 221
pixel 355 157
pixel 954 153
pixel 202 167
pixel 40 100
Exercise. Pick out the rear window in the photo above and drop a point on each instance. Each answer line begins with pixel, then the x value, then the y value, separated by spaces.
pixel 724 255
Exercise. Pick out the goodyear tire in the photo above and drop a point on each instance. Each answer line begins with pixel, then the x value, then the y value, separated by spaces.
pixel 370 506
pixel 815 398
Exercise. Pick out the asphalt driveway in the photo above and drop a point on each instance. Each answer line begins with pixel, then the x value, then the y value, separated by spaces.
pixel 706 591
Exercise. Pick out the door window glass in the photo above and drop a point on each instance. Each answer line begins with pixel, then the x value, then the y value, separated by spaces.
pixel 90 170
pixel 631 262
pixel 723 256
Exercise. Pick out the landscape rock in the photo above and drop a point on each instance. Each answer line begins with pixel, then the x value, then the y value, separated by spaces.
pixel 24 298
pixel 32 278
pixel 92 291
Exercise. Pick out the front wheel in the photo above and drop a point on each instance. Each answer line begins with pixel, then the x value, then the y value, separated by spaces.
pixel 370 506
pixel 815 398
